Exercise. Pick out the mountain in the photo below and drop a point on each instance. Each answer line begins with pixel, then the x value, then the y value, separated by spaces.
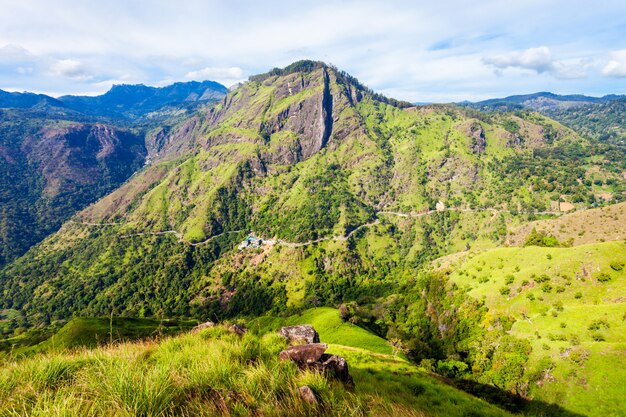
pixel 545 101
pixel 26 100
pixel 303 188
pixel 602 118
pixel 121 101
pixel 52 168
pixel 59 155
pixel 137 100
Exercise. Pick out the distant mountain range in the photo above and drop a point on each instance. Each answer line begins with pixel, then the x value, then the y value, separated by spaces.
pixel 542 101
pixel 126 101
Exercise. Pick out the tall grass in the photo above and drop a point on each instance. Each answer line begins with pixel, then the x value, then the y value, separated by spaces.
pixel 206 374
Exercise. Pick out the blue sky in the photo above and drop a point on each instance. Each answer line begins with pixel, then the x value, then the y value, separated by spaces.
pixel 445 50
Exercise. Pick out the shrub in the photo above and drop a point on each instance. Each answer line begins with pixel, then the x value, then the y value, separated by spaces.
pixel 598 337
pixel 598 324
pixel 578 295
pixel 546 288
pixel 505 290
pixel 451 368
pixel 617 266
pixel 603 277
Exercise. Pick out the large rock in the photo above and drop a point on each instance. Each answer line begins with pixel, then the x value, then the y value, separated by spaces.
pixel 337 367
pixel 304 355
pixel 202 326
pixel 298 334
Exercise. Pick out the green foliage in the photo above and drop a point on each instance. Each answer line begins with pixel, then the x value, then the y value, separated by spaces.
pixel 542 239
pixel 218 373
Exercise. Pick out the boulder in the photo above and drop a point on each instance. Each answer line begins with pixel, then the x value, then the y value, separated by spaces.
pixel 337 367
pixel 298 334
pixel 307 394
pixel 237 329
pixel 304 355
pixel 202 326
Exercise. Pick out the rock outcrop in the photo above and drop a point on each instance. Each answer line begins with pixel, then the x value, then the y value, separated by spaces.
pixel 478 143
pixel 312 355
pixel 202 326
pixel 304 333
pixel 304 355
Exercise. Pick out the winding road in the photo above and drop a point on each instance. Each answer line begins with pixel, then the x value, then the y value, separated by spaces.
pixel 310 242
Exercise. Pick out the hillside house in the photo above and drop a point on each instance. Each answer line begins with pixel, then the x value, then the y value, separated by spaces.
pixel 250 242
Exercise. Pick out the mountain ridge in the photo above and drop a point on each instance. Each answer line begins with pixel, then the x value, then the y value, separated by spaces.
pixel 122 100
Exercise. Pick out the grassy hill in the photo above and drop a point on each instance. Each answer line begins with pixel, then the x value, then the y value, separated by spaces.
pixel 354 196
pixel 218 373
pixel 330 327
pixel 569 304
pixel 588 226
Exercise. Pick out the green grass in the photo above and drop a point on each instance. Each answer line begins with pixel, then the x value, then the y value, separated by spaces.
pixel 330 327
pixel 217 373
pixel 575 323
pixel 91 332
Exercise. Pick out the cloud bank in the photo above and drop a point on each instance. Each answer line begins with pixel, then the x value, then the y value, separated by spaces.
pixel 418 51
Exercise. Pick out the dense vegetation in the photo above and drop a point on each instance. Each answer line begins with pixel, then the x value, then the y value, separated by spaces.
pixel 389 213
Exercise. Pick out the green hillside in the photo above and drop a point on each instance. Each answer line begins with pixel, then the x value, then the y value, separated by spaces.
pixel 399 216
pixel 330 328
pixel 569 304
pixel 218 373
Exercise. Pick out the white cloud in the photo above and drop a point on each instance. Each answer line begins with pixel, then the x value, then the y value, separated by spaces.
pixel 214 73
pixel 537 59
pixel 441 48
pixel 70 68
pixel 616 67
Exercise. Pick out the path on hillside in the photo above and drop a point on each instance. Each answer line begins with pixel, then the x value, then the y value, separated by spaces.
pixel 313 241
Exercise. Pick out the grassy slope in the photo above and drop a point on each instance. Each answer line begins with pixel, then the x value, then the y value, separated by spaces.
pixel 91 332
pixel 588 226
pixel 577 328
pixel 331 328
pixel 218 373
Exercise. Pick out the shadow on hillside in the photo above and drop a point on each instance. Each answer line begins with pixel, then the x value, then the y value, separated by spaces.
pixel 511 402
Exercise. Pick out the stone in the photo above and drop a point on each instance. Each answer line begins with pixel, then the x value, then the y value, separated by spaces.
pixel 307 394
pixel 202 326
pixel 237 329
pixel 336 366
pixel 298 334
pixel 304 355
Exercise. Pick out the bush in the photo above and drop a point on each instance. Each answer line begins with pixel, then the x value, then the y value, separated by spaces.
pixel 617 266
pixel 603 277
pixel 452 368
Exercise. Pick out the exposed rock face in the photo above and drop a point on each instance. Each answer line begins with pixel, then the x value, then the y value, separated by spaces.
pixel 298 334
pixel 304 355
pixel 478 143
pixel 237 329
pixel 202 326
pixel 307 394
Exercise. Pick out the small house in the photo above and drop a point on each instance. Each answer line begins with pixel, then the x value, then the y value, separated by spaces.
pixel 251 242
